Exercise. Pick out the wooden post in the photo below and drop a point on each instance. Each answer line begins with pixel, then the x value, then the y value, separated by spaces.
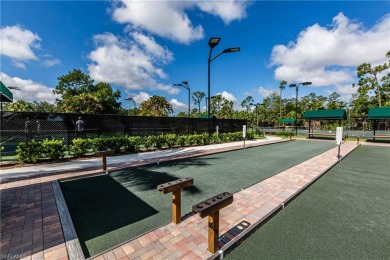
pixel 210 208
pixel 176 206
pixel 175 187
pixel 104 162
pixel 213 232
pixel 104 158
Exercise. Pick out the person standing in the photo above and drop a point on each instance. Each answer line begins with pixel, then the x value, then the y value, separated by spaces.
pixel 80 128
pixel 27 130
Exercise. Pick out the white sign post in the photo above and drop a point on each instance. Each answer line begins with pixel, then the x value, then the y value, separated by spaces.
pixel 339 139
pixel 217 130
pixel 244 133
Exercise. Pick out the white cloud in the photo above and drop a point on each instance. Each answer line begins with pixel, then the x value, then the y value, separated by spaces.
pixel 19 64
pixel 168 19
pixel 17 43
pixel 138 98
pixel 228 96
pixel 326 55
pixel 50 62
pixel 178 105
pixel 228 10
pixel 264 92
pixel 29 90
pixel 132 63
pixel 153 48
pixel 164 18
pixel 345 91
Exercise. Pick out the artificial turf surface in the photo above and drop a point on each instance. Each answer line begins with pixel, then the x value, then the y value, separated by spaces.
pixel 344 215
pixel 109 210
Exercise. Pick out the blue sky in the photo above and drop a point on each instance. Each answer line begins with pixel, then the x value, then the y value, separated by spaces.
pixel 143 47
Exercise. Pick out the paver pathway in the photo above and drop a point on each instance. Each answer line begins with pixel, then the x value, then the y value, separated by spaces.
pixel 31 228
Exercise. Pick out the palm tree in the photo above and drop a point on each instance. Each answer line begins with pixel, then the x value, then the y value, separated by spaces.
pixel 197 97
pixel 217 103
pixel 246 103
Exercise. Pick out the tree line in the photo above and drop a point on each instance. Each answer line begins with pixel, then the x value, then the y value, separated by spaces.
pixel 80 94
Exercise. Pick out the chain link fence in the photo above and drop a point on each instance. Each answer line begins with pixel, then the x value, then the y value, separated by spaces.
pixel 16 127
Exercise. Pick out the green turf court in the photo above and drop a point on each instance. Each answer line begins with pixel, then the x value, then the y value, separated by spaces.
pixel 344 215
pixel 109 210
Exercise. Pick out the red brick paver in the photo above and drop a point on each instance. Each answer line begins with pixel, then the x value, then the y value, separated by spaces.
pixel 31 228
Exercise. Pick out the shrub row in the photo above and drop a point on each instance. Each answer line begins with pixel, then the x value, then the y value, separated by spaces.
pixel 285 133
pixel 55 149
pixel 34 150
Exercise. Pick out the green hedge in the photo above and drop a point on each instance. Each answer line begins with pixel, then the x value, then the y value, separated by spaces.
pixel 284 133
pixel 29 152
pixel 55 149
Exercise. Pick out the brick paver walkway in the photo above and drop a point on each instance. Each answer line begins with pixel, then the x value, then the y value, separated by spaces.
pixel 31 228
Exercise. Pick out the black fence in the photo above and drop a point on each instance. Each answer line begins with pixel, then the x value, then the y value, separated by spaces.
pixel 16 127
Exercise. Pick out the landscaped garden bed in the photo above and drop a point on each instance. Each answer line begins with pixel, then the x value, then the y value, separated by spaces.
pixel 50 150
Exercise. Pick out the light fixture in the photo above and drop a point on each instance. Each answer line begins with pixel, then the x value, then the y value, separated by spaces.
pixel 214 41
pixel 296 102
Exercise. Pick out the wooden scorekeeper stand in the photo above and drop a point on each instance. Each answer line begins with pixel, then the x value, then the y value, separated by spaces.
pixel 210 208
pixel 175 187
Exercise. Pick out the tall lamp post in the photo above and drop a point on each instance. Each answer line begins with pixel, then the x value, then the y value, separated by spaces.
pixel 257 121
pixel 348 108
pixel 132 100
pixel 184 84
pixel 296 86
pixel 212 43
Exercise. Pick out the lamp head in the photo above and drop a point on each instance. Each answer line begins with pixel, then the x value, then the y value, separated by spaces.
pixel 306 83
pixel 185 82
pixel 235 49
pixel 130 99
pixel 214 41
pixel 293 85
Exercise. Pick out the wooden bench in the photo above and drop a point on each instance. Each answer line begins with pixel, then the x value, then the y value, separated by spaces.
pixel 321 134
pixel 104 157
pixel 380 136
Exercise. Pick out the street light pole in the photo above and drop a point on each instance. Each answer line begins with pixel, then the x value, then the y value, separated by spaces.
pixel 184 84
pixel 296 86
pixel 213 41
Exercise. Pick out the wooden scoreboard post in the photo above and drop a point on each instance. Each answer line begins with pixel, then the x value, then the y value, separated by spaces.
pixel 175 187
pixel 210 208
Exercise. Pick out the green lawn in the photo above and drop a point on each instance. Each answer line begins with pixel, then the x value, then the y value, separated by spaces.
pixel 344 215
pixel 108 210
